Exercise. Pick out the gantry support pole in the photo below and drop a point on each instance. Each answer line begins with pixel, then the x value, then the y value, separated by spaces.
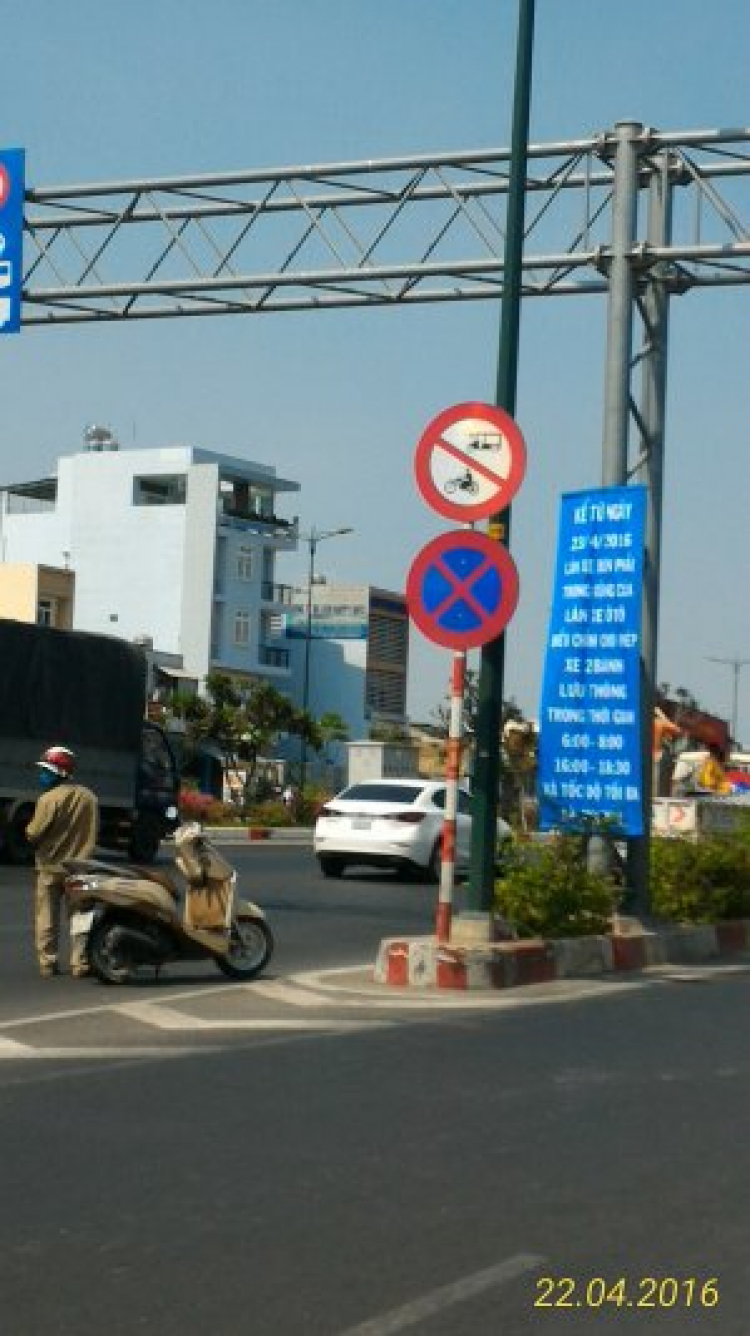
pixel 655 307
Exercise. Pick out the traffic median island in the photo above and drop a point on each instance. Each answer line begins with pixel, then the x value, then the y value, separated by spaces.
pixel 424 962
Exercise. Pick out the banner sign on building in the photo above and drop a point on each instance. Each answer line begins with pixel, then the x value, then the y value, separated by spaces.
pixel 11 238
pixel 589 728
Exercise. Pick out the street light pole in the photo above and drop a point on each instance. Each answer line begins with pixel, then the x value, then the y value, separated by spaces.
pixel 312 539
pixel 735 665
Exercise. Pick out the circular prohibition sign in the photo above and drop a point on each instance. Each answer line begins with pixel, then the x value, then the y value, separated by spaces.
pixel 470 461
pixel 462 589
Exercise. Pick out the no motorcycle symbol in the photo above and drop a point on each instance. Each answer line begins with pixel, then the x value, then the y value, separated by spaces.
pixel 470 461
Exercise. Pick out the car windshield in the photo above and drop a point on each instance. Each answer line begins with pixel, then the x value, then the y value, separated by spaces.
pixel 382 793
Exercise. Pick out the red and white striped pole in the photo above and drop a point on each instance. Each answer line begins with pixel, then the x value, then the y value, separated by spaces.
pixel 452 775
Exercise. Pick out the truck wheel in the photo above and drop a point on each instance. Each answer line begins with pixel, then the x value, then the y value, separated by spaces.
pixel 17 848
pixel 145 839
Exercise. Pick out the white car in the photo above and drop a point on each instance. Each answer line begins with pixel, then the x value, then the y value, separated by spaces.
pixel 392 823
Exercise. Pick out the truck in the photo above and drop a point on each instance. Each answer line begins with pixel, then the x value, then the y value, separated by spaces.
pixel 85 691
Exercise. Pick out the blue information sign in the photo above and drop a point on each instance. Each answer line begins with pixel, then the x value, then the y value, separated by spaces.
pixel 589 740
pixel 11 238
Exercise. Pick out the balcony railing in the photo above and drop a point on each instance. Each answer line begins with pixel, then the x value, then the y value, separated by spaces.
pixel 238 518
pixel 271 657
pixel 276 593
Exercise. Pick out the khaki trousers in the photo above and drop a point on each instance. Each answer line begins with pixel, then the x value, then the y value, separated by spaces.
pixel 49 896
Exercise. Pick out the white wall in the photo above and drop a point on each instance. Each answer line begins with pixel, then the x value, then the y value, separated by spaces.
pixel 148 570
pixel 127 559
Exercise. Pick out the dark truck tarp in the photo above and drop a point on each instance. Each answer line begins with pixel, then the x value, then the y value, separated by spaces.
pixel 70 687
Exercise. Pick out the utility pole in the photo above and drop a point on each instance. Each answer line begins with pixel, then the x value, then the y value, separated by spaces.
pixel 480 892
pixel 312 539
pixel 736 665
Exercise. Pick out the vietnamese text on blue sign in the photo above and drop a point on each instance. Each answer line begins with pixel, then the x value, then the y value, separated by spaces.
pixel 11 238
pixel 589 745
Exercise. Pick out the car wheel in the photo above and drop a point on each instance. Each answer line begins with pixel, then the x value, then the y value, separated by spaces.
pixel 330 865
pixel 433 867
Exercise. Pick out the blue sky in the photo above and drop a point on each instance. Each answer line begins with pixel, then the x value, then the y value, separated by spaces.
pixel 113 91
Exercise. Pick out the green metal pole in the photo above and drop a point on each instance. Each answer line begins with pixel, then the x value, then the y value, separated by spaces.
pixel 490 693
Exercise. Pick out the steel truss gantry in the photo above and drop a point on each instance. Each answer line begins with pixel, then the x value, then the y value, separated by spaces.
pixel 389 232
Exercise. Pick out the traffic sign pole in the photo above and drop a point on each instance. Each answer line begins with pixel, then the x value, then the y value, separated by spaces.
pixel 452 776
pixel 480 893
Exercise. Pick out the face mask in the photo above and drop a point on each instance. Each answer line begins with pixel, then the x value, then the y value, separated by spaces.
pixel 46 779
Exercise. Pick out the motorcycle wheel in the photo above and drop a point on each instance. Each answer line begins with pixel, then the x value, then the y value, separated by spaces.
pixel 250 950
pixel 103 961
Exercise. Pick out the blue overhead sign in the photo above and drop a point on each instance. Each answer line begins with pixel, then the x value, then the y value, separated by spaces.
pixel 11 238
pixel 589 739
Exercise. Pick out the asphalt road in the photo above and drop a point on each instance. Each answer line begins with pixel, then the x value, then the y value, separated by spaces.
pixel 344 1166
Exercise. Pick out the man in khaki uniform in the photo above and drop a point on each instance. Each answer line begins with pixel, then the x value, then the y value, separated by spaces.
pixel 64 825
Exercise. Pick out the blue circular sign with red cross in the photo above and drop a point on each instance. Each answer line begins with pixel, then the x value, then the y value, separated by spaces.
pixel 462 589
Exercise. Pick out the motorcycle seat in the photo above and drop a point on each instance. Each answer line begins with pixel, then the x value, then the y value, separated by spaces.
pixel 161 878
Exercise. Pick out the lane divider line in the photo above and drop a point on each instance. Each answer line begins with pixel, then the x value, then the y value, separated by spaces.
pixel 447 1296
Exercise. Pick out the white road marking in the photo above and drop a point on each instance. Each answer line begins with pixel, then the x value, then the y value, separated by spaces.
pixel 168 1018
pixel 448 1296
pixel 290 993
pixel 76 1013
pixel 25 1051
pixel 390 996
pixel 322 988
pixel 10 1048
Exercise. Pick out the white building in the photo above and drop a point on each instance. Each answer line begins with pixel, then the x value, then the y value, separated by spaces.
pixel 174 546
pixel 357 653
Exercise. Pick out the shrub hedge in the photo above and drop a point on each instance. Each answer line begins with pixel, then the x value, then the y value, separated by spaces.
pixel 701 882
pixel 546 890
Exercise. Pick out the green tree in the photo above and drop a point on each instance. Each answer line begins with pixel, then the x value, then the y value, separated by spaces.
pixel 332 729
pixel 242 723
pixel 389 733
pixel 442 713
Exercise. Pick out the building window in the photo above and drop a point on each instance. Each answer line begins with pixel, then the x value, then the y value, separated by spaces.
pixel 45 612
pixel 245 564
pixel 241 628
pixel 160 491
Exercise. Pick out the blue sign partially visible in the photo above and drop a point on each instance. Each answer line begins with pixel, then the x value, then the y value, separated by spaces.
pixel 11 238
pixel 590 739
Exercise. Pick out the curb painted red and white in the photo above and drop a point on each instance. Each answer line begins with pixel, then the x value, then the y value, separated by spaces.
pixel 424 962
